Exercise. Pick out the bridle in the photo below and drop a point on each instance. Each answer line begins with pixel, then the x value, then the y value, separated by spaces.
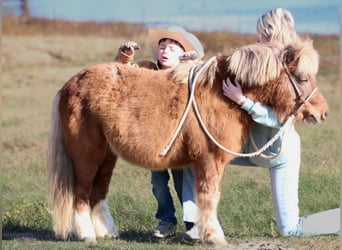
pixel 301 100
pixel 299 91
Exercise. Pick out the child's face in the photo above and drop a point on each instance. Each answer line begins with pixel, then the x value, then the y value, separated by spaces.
pixel 169 53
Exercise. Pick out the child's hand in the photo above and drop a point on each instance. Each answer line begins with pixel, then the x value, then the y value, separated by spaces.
pixel 129 47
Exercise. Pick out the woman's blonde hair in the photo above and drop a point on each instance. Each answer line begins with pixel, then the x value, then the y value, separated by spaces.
pixel 277 25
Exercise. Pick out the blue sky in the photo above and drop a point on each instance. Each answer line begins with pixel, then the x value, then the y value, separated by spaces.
pixel 317 16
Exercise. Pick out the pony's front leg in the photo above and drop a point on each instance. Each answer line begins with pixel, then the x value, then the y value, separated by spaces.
pixel 83 227
pixel 208 181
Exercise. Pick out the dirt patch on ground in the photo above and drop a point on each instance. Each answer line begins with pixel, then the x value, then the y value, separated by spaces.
pixel 259 245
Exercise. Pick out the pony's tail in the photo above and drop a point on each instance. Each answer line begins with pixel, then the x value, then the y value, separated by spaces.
pixel 60 177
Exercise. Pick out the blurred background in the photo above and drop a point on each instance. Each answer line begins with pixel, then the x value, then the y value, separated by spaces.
pixel 314 16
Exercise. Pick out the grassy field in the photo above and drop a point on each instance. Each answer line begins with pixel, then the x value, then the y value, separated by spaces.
pixel 39 56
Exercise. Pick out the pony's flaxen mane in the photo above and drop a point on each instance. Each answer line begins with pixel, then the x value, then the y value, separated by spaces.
pixel 255 64
pixel 181 72
pixel 307 57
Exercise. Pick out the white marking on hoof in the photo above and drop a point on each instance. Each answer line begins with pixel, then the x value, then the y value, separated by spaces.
pixel 83 227
pixel 211 231
pixel 90 240
pixel 103 222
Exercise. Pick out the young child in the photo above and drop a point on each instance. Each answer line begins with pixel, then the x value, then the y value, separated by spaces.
pixel 169 47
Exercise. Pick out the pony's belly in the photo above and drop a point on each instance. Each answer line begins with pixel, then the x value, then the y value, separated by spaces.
pixel 141 156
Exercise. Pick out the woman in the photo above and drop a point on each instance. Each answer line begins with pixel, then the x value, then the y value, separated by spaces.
pixel 278 26
pixel 169 48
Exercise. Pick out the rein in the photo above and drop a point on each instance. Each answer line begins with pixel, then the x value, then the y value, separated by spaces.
pixel 192 83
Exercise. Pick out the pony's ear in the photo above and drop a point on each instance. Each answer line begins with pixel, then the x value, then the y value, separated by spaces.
pixel 289 54
pixel 221 56
pixel 222 63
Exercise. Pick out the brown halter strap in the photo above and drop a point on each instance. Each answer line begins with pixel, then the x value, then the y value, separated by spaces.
pixel 298 90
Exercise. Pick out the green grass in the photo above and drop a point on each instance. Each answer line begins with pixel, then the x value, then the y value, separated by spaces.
pixel 36 65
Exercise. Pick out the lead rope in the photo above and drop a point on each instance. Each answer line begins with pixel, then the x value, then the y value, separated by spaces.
pixel 253 154
pixel 267 157
pixel 192 82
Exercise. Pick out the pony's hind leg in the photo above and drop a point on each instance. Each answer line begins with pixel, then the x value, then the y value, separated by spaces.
pixel 83 228
pixel 86 168
pixel 103 222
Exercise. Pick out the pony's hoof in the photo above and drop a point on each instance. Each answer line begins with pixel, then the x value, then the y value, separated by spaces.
pixel 213 237
pixel 220 243
pixel 90 240
pixel 112 236
pixel 107 235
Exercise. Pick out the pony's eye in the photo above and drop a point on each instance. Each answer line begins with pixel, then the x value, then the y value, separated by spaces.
pixel 303 80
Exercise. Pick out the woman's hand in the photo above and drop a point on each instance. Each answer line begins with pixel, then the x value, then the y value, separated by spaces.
pixel 233 91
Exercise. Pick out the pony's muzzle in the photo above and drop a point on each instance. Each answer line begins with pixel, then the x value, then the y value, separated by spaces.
pixel 315 119
pixel 325 115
